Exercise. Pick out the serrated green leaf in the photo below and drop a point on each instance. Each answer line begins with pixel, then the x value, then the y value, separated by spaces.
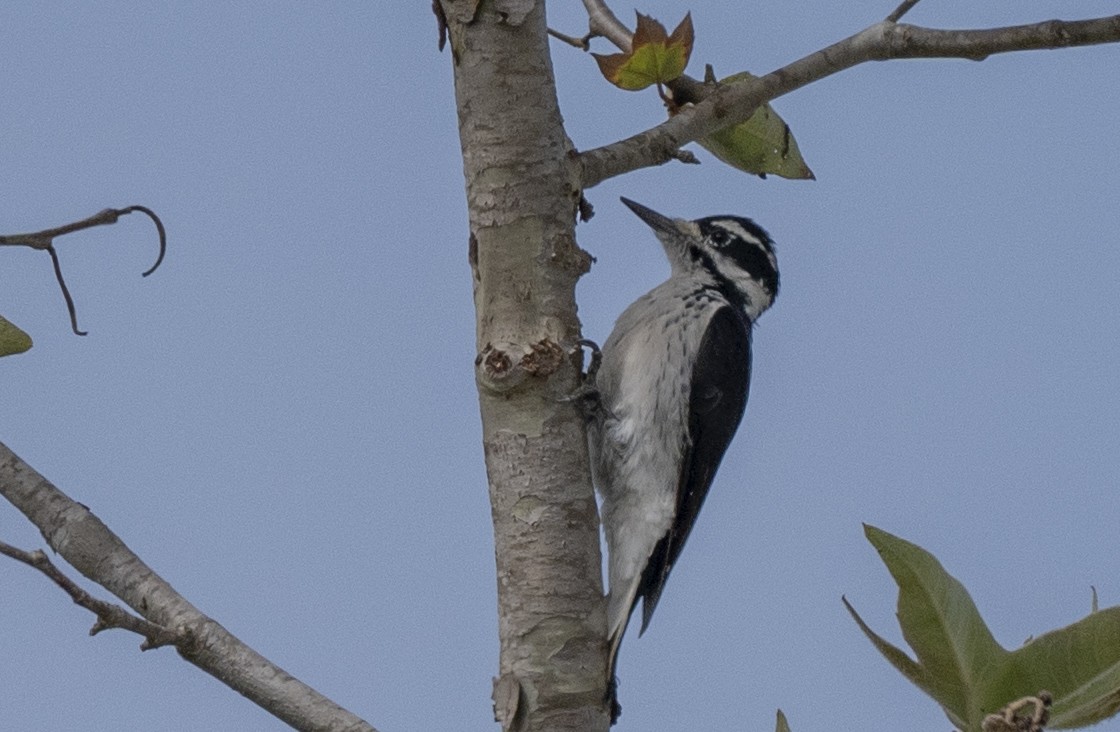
pixel 12 339
pixel 965 670
pixel 762 145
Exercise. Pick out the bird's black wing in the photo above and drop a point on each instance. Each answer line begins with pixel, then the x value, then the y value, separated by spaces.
pixel 720 383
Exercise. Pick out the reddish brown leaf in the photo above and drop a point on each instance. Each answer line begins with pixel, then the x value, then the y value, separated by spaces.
pixel 683 36
pixel 648 31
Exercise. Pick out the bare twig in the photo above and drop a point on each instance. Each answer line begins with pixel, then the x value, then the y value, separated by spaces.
pixel 730 104
pixel 108 614
pixel 90 547
pixel 901 10
pixel 159 230
pixel 65 292
pixel 45 240
pixel 583 44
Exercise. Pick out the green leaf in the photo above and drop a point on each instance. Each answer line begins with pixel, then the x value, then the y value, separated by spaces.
pixel 655 57
pixel 12 339
pixel 897 657
pixel 968 673
pixel 783 725
pixel 1079 665
pixel 762 145
pixel 941 624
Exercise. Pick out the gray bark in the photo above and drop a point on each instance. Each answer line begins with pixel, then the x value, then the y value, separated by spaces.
pixel 523 195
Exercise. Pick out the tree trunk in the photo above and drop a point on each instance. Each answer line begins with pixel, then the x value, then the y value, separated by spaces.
pixel 523 196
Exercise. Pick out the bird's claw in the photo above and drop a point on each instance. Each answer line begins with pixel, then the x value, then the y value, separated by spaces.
pixel 596 360
pixel 586 396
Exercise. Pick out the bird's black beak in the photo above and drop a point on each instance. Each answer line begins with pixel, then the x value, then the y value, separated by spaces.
pixel 659 223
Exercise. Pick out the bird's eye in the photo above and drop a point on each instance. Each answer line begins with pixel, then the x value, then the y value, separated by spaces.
pixel 719 237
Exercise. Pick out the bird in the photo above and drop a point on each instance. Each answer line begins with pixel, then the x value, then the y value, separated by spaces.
pixel 672 383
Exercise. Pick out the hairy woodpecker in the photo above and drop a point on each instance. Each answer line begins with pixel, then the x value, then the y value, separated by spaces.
pixel 672 387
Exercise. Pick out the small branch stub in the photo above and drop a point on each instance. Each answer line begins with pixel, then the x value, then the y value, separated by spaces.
pixel 543 359
pixel 497 370
pixel 494 369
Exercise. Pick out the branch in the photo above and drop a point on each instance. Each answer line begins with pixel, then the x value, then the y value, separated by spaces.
pixel 108 614
pixel 733 103
pixel 89 546
pixel 45 240
pixel 602 22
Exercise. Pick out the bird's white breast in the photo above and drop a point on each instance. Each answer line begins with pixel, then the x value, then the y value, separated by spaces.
pixel 637 449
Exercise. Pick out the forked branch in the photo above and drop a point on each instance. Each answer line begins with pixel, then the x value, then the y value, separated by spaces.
pixel 45 240
pixel 90 547
pixel 108 614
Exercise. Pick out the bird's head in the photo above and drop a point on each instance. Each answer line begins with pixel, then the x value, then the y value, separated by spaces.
pixel 734 253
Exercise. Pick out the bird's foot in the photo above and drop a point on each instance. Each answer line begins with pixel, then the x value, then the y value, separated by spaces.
pixel 586 396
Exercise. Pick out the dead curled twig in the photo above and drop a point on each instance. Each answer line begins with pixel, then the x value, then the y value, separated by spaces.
pixel 45 240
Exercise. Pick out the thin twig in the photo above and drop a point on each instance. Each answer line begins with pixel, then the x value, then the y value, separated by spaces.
pixel 583 44
pixel 901 10
pixel 88 545
pixel 45 240
pixel 159 230
pixel 65 292
pixel 108 614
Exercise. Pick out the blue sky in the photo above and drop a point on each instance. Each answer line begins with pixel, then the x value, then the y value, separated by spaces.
pixel 282 420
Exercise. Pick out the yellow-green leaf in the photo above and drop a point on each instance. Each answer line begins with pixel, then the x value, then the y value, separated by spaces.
pixel 655 57
pixel 762 145
pixel 12 339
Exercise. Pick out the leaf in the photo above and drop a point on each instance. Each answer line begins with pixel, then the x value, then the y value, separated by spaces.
pixel 783 724
pixel 655 57
pixel 12 339
pixel 761 145
pixel 1079 665
pixel 968 673
pixel 897 657
pixel 942 625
